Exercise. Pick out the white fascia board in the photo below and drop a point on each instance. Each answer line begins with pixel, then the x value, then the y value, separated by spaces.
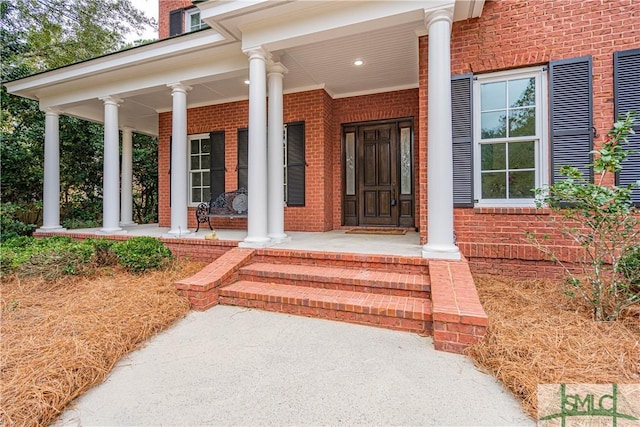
pixel 28 86
pixel 326 20
pixel 221 9
pixel 467 9
pixel 216 63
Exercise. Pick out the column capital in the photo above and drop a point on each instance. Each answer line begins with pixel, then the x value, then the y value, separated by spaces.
pixel 179 87
pixel 111 100
pixel 258 53
pixel 52 111
pixel 127 129
pixel 431 18
pixel 277 68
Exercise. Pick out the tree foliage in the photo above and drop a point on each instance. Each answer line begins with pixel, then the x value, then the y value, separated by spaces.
pixel 39 35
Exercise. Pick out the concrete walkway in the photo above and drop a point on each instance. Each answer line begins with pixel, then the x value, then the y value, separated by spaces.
pixel 234 366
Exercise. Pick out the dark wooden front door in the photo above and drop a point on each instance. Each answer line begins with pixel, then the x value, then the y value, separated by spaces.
pixel 378 188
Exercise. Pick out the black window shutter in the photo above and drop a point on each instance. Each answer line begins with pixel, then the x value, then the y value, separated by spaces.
pixel 295 164
pixel 217 164
pixel 626 87
pixel 175 22
pixel 571 115
pixel 462 128
pixel 243 157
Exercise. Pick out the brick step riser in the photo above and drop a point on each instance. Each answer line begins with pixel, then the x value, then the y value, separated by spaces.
pixel 423 327
pixel 335 283
pixel 391 266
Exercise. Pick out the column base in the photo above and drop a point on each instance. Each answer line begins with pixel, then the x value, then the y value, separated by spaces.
pixel 112 230
pixel 434 251
pixel 128 223
pixel 50 229
pixel 256 242
pixel 279 238
pixel 178 232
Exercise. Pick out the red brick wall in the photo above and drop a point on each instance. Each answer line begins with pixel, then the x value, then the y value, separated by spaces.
pixel 312 107
pixel 380 106
pixel 164 7
pixel 513 34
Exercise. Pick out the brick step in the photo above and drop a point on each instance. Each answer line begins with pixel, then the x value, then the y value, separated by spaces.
pixel 387 311
pixel 401 264
pixel 346 279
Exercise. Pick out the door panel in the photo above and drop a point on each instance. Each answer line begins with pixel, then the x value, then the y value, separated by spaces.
pixel 377 170
pixel 378 174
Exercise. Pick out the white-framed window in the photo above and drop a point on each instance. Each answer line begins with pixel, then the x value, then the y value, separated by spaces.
pixel 193 21
pixel 199 168
pixel 510 127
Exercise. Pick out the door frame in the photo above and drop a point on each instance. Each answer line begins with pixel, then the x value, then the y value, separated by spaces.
pixel 351 202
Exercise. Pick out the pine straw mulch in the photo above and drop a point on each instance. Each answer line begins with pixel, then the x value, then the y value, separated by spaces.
pixel 59 338
pixel 536 335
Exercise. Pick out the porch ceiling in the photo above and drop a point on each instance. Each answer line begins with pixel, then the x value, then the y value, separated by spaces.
pixel 217 69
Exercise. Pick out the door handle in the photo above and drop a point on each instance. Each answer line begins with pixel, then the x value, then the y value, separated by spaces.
pixel 393 197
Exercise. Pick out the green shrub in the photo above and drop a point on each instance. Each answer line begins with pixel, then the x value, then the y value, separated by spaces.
pixel 142 253
pixel 11 224
pixel 629 265
pixel 603 220
pixel 103 251
pixel 51 257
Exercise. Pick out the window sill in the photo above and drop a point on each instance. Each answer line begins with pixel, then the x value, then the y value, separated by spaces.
pixel 512 210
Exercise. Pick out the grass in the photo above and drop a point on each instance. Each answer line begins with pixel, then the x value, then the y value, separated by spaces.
pixel 536 335
pixel 61 337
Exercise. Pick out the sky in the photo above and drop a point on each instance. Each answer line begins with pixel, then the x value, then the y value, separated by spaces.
pixel 150 8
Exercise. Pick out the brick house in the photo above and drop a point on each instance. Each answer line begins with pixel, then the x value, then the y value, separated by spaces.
pixel 439 115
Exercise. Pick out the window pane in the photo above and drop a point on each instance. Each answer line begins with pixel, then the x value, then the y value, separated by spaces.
pixel 195 163
pixel 493 157
pixel 494 185
pixel 195 195
pixel 522 92
pixel 522 155
pixel 206 145
pixel 521 184
pixel 405 161
pixel 493 125
pixel 206 178
pixel 195 146
pixel 195 20
pixel 205 162
pixel 206 194
pixel 522 122
pixel 196 179
pixel 493 96
pixel 350 153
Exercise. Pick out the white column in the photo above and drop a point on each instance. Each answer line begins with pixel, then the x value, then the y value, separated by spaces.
pixel 51 190
pixel 440 241
pixel 257 179
pixel 111 175
pixel 179 185
pixel 275 155
pixel 126 190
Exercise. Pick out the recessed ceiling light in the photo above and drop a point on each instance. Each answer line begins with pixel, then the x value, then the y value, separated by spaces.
pixel 358 62
pixel 247 82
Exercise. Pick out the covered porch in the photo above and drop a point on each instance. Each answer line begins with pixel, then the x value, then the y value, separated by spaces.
pixel 277 48
pixel 334 241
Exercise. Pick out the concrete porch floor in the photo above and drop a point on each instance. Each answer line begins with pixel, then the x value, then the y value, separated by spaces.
pixel 329 241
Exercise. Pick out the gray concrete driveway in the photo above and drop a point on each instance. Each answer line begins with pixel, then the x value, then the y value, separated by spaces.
pixel 234 366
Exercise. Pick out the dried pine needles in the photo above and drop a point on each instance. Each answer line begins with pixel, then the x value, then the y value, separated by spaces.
pixel 59 338
pixel 538 336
